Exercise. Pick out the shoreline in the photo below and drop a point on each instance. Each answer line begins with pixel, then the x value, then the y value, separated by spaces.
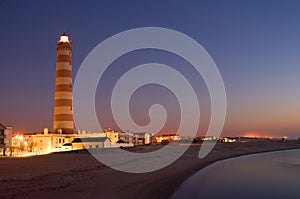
pixel 81 176
pixel 228 159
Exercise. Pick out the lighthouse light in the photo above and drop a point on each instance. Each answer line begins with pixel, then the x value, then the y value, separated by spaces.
pixel 64 38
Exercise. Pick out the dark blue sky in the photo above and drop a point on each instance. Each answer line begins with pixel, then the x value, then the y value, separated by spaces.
pixel 255 44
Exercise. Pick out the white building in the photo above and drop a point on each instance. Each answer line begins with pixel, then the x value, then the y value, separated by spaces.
pixel 90 143
pixel 44 143
pixel 112 135
pixel 8 136
pixel 2 138
pixel 140 138
pixel 5 139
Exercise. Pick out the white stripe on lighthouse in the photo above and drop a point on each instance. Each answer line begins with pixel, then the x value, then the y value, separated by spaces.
pixel 63 80
pixel 63 95
pixel 63 110
pixel 64 124
pixel 63 66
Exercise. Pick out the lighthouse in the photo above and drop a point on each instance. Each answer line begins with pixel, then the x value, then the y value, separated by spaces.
pixel 63 112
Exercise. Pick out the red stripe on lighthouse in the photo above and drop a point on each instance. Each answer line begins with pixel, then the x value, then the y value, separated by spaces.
pixel 63 73
pixel 63 102
pixel 63 117
pixel 63 88
pixel 63 58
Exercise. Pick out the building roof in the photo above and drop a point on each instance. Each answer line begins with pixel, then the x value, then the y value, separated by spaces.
pixel 120 141
pixel 2 127
pixel 67 144
pixel 139 133
pixel 166 135
pixel 64 34
pixel 90 139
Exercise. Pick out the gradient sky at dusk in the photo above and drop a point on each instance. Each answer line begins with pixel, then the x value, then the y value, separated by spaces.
pixel 255 44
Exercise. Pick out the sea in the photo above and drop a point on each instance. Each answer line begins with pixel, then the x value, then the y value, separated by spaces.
pixel 273 175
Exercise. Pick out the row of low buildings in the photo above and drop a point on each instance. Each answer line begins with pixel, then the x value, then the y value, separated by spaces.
pixel 20 144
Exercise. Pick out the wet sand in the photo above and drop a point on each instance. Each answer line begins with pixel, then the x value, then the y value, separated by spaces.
pixel 79 175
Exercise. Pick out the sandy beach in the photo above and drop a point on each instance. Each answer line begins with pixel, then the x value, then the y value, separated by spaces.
pixel 80 175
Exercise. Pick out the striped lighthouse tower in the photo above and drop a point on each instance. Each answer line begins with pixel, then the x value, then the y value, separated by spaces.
pixel 63 113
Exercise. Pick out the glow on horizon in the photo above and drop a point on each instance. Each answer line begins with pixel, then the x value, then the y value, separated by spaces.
pixel 262 135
